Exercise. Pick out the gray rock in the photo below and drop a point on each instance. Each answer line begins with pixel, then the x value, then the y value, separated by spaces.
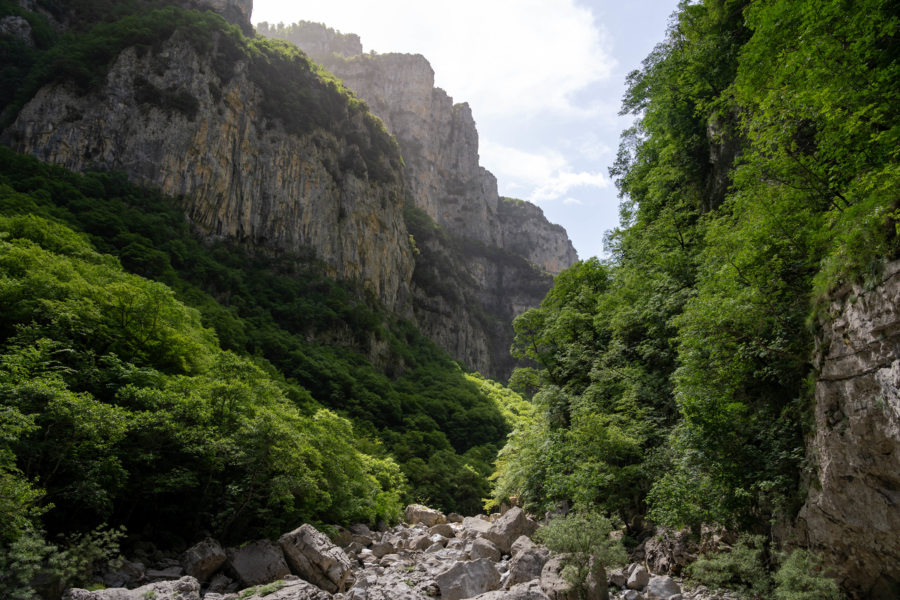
pixel 617 578
pixel 288 590
pixel 527 564
pixel 203 559
pixel 662 587
pixel 444 529
pixel 524 591
pixel 851 517
pixel 522 542
pixel 186 588
pixel 313 557
pixel 256 563
pixel 380 549
pixel 632 595
pixel 509 527
pixel 638 579
pixel 557 588
pixel 416 513
pixel 667 552
pixel 16 27
pixel 467 579
pixel 483 548
pixel 219 583
pixel 476 525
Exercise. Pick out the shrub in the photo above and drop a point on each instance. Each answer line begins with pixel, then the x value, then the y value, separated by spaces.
pixel 800 577
pixel 741 569
pixel 583 536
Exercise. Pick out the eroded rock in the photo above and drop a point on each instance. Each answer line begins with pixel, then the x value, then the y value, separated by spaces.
pixel 256 563
pixel 312 556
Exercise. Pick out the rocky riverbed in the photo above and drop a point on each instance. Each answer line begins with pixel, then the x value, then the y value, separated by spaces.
pixel 430 556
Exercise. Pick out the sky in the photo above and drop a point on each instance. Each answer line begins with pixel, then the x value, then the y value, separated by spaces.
pixel 544 79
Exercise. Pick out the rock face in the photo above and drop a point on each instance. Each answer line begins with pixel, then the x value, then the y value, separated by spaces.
pixel 242 175
pixel 494 258
pixel 852 514
pixel 312 556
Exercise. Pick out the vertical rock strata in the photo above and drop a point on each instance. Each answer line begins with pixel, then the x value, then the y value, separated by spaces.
pixel 243 177
pixel 495 257
pixel 852 514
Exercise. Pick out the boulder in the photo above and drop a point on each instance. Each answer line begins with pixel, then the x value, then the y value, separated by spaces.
pixel 632 595
pixel 380 549
pixel 509 527
pixel 420 542
pixel 476 525
pixel 416 513
pixel 186 588
pixel 467 579
pixel 553 584
pixel 523 591
pixel 288 590
pixel 522 542
pixel 313 557
pixel 256 563
pixel 638 579
pixel 558 588
pixel 617 578
pixel 662 588
pixel 443 529
pixel 527 564
pixel 667 552
pixel 483 548
pixel 203 559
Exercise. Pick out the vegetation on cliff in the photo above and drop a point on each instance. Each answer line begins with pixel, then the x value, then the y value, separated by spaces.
pixel 762 172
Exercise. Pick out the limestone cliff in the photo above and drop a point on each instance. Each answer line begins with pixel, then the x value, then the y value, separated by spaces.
pixel 196 126
pixel 496 258
pixel 852 514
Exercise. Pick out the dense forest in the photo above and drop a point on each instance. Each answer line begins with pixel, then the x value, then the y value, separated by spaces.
pixel 760 175
pixel 161 384
pixel 158 385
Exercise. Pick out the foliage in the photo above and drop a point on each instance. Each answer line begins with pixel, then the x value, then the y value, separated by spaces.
pixel 743 568
pixel 800 577
pixel 583 537
pixel 761 173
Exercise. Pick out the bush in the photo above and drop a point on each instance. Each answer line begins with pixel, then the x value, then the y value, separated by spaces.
pixel 742 569
pixel 583 536
pixel 800 577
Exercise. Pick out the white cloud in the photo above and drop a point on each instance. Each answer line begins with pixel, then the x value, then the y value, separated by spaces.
pixel 538 177
pixel 504 57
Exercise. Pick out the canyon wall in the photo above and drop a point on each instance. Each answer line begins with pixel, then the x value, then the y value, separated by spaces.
pixel 852 514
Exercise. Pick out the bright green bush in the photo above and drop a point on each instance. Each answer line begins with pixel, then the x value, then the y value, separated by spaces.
pixel 583 536
pixel 743 568
pixel 800 577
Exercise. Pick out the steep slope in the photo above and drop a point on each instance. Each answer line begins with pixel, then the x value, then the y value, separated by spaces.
pixel 857 440
pixel 489 242
pixel 198 115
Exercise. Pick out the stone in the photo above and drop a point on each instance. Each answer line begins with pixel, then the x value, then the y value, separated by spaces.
pixel 313 557
pixel 467 579
pixel 256 563
pixel 523 542
pixel 444 529
pixel 524 591
pixel 850 517
pixel 203 559
pixel 527 564
pixel 483 548
pixel 416 513
pixel 662 587
pixel 638 579
pixel 509 527
pixel 186 588
pixel 380 549
pixel 288 590
pixel 420 542
pixel 667 552
pixel 617 578
pixel 454 518
pixel 17 27
pixel 476 525
pixel 553 584
pixel 632 595
pixel 219 583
